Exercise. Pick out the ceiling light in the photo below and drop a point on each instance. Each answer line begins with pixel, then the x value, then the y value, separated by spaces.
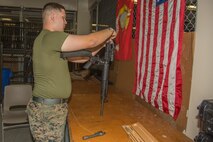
pixel 100 25
pixel 191 7
pixel 26 20
pixel 6 19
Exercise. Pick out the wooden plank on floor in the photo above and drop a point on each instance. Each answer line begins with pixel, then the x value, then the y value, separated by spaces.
pixel 137 133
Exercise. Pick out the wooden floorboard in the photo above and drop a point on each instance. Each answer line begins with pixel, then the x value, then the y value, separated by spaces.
pixel 121 109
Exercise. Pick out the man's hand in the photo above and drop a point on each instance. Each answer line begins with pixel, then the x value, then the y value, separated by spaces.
pixel 114 34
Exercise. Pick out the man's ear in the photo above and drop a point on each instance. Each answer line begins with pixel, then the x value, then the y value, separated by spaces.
pixel 52 17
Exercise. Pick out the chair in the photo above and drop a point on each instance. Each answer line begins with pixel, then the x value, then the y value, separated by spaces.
pixel 13 109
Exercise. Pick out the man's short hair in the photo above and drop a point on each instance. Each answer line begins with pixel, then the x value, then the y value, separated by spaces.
pixel 51 6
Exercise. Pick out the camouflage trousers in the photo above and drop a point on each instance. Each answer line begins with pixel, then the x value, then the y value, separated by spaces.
pixel 47 122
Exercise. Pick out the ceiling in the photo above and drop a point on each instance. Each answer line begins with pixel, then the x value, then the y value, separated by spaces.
pixel 68 4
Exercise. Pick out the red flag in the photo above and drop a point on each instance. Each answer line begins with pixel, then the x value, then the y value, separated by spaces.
pixel 124 19
pixel 159 34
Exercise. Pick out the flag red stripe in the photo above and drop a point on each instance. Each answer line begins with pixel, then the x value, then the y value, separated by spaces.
pixel 171 48
pixel 163 39
pixel 178 98
pixel 138 14
pixel 149 13
pixel 150 95
pixel 142 45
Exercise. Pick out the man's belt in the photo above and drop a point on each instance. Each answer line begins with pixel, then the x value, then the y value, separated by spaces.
pixel 49 101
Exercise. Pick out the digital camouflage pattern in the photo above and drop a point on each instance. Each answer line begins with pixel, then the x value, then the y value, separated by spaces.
pixel 47 122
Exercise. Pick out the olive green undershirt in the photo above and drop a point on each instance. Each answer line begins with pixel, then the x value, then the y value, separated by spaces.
pixel 51 73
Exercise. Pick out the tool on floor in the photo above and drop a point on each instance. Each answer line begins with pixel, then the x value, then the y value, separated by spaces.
pixel 105 61
pixel 99 133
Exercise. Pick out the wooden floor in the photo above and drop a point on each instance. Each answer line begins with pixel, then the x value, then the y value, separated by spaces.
pixel 121 109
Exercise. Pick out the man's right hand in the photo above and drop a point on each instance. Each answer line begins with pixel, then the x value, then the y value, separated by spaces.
pixel 114 34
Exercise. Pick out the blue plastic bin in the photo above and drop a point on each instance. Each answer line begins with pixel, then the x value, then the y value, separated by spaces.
pixel 6 75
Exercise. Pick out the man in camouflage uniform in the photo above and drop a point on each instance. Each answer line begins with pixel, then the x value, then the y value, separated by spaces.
pixel 40 114
pixel 47 111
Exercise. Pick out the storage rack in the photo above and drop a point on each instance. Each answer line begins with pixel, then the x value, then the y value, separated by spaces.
pixel 1 50
pixel 17 39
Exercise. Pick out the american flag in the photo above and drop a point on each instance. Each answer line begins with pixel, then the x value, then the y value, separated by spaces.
pixel 159 34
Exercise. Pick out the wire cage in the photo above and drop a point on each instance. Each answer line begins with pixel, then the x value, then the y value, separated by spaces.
pixel 19 26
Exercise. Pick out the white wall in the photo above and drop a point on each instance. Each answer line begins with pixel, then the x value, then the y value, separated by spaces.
pixel 68 4
pixel 202 74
